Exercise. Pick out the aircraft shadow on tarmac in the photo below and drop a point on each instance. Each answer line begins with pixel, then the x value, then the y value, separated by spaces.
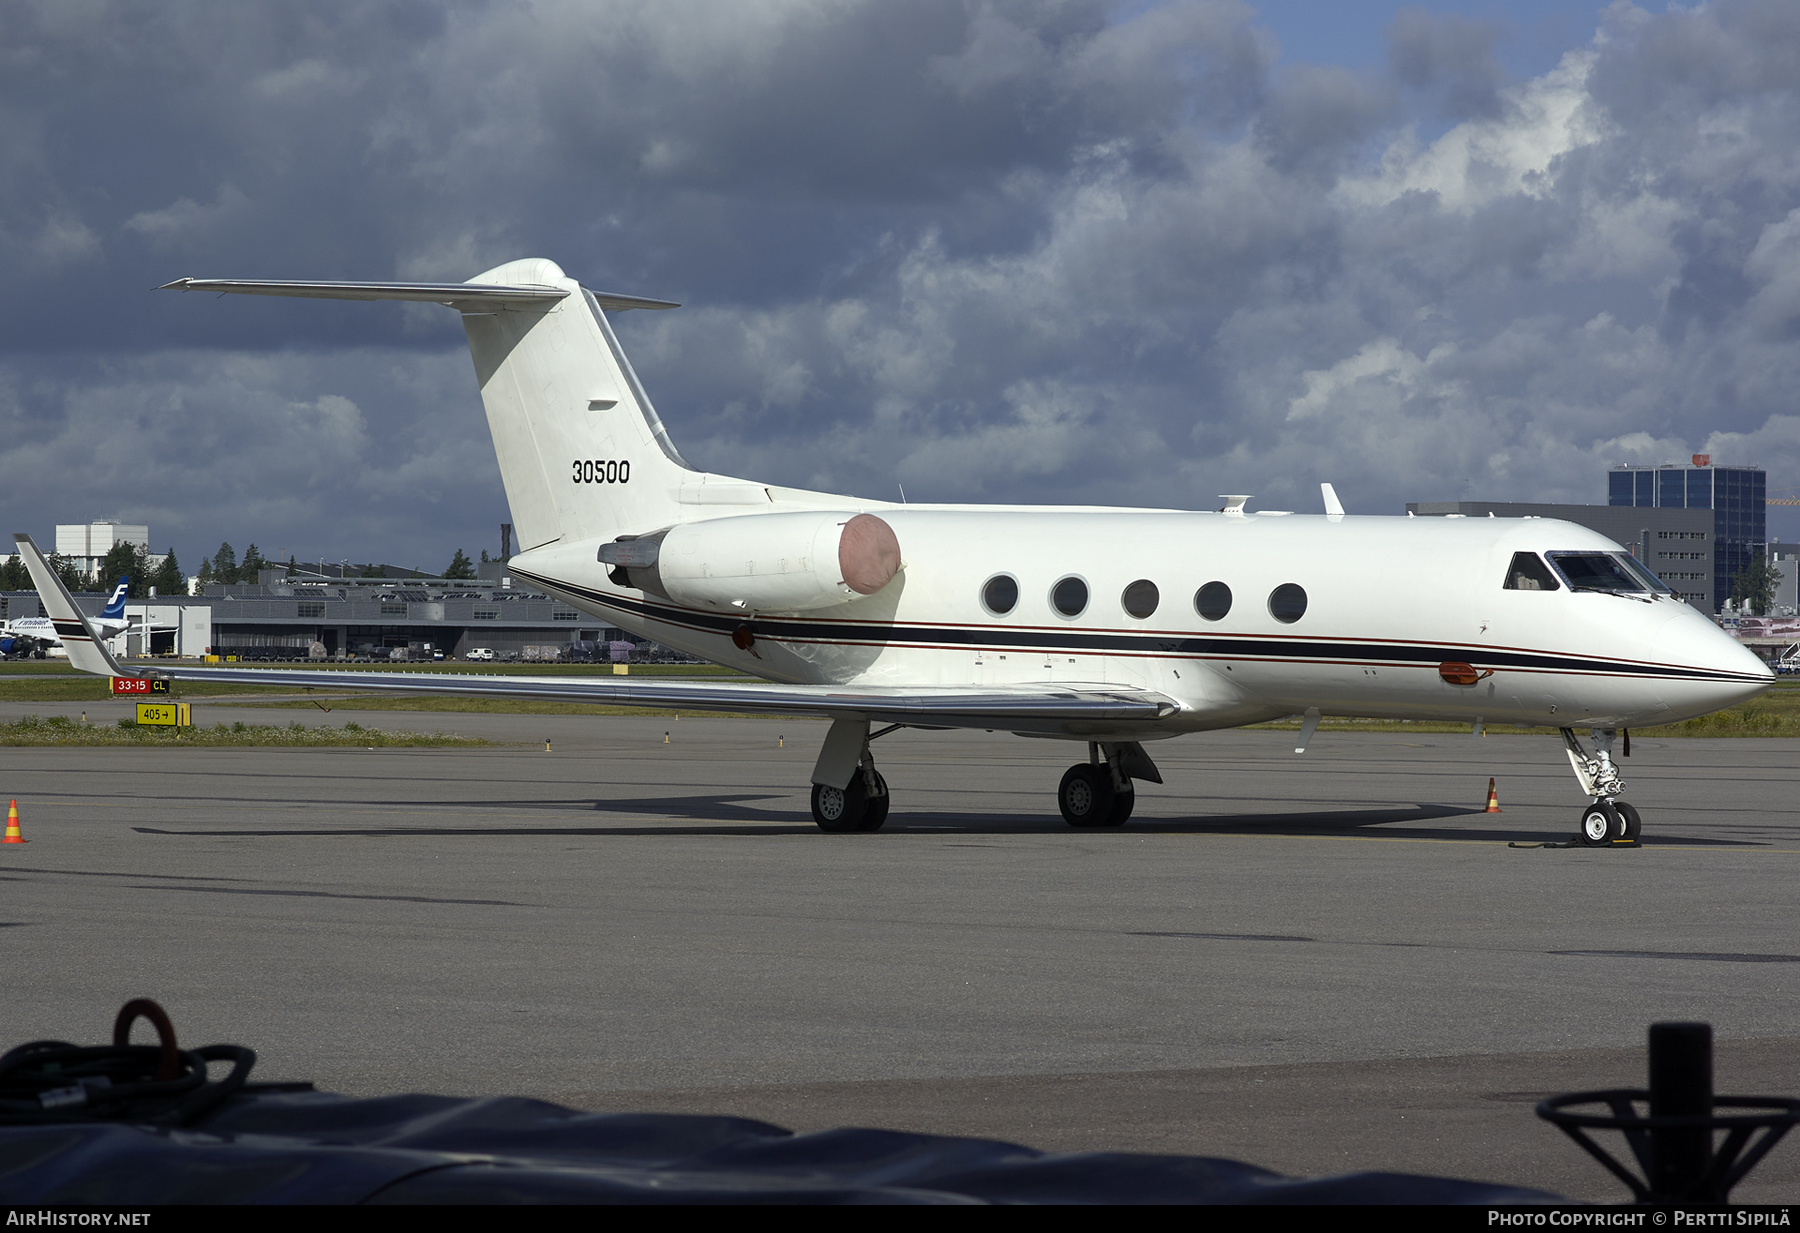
pixel 744 814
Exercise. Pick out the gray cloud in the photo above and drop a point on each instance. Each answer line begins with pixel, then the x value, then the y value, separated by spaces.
pixel 1052 252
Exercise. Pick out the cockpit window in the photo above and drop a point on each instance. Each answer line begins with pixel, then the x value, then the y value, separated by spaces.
pixel 1601 571
pixel 1643 571
pixel 1529 573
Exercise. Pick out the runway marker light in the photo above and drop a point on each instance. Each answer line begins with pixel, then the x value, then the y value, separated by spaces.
pixel 1493 805
pixel 665 738
pixel 781 742
pixel 546 744
pixel 12 825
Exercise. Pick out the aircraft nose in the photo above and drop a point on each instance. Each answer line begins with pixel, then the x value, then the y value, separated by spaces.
pixel 1714 669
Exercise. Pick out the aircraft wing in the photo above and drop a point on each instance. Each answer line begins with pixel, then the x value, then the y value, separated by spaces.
pixel 1048 707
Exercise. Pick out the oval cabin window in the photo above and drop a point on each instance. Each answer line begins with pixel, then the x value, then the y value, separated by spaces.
pixel 1140 598
pixel 1001 594
pixel 1213 601
pixel 1070 597
pixel 1287 603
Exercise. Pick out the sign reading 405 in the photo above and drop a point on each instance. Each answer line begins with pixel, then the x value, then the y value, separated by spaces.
pixel 602 471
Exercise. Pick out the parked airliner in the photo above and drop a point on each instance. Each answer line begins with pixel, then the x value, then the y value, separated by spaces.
pixel 1106 627
pixel 39 633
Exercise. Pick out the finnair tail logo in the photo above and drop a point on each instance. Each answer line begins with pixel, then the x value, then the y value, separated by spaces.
pixel 115 607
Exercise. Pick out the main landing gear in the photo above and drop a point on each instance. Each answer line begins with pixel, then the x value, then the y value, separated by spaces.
pixel 1100 793
pixel 862 805
pixel 849 794
pixel 1608 820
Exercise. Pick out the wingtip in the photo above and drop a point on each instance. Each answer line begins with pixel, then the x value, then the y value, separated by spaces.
pixel 180 284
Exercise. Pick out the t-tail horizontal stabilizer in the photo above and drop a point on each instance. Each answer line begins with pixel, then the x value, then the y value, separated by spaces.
pixel 86 651
pixel 468 297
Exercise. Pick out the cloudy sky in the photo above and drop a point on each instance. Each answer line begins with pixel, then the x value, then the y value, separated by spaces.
pixel 1135 253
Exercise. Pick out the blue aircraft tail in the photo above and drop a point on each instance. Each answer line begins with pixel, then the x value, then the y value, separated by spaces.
pixel 115 607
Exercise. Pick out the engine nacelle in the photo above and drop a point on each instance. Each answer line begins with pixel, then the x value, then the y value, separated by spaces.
pixel 764 562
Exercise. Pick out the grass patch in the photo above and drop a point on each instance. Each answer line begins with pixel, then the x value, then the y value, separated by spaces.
pixel 42 682
pixel 81 687
pixel 59 730
pixel 1776 713
pixel 461 668
pixel 451 704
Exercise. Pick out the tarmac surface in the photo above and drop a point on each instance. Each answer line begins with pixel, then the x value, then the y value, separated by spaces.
pixel 1319 963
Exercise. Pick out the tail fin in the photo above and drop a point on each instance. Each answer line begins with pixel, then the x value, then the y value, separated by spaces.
pixel 582 452
pixel 85 650
pixel 115 607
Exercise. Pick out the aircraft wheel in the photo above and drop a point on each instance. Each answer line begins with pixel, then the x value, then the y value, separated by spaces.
pixel 1600 824
pixel 1121 808
pixel 1628 815
pixel 838 811
pixel 875 813
pixel 1086 795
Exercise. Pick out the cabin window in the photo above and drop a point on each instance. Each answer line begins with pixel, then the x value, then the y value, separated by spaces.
pixel 1529 573
pixel 1213 601
pixel 1140 598
pixel 1070 597
pixel 1001 594
pixel 1287 603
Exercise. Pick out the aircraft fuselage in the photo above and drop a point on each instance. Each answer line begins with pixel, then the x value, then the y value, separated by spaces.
pixel 1387 603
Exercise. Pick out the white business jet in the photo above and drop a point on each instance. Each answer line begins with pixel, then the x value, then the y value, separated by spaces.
pixel 1107 627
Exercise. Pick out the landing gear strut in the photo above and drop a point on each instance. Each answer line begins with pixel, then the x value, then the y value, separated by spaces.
pixel 1100 792
pixel 1608 820
pixel 848 793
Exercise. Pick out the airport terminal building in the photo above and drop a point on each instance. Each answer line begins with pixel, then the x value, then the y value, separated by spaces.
pixel 362 618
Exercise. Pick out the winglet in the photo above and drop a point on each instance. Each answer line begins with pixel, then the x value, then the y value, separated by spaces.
pixel 1334 508
pixel 86 651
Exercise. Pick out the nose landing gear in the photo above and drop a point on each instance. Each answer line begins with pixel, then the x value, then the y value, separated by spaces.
pixel 1608 820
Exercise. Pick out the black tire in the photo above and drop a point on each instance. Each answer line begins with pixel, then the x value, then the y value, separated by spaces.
pixel 839 811
pixel 876 811
pixel 1633 824
pixel 1600 824
pixel 1085 795
pixel 1121 807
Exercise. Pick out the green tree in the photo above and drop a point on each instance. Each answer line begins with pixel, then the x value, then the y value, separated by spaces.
pixel 253 565
pixel 14 576
pixel 125 561
pixel 1753 586
pixel 484 556
pixel 168 578
pixel 460 566
pixel 224 564
pixel 373 571
pixel 69 572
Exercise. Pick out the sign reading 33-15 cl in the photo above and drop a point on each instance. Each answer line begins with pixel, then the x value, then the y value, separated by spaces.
pixel 602 471
pixel 138 685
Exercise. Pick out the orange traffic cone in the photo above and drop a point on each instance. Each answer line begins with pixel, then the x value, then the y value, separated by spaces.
pixel 12 825
pixel 1493 805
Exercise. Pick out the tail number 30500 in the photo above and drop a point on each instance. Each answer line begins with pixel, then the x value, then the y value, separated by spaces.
pixel 602 471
